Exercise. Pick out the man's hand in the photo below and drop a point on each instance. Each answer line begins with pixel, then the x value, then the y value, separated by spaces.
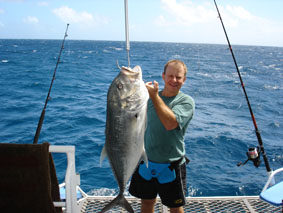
pixel 152 88
pixel 165 114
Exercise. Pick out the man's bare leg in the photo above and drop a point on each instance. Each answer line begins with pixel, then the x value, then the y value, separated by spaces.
pixel 177 210
pixel 147 206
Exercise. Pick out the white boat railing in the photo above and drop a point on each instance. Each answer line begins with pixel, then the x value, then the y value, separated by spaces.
pixel 271 180
pixel 72 180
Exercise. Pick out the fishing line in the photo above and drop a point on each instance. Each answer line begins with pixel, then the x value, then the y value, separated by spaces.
pixel 40 122
pixel 261 148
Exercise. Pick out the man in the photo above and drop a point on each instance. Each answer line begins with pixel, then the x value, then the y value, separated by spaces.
pixel 169 113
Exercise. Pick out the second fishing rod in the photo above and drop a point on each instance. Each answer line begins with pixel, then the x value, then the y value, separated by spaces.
pixel 254 153
pixel 40 122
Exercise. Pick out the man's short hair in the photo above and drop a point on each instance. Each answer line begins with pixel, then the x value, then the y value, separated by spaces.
pixel 175 61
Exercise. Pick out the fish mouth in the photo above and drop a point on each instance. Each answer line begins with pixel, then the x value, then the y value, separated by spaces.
pixel 132 73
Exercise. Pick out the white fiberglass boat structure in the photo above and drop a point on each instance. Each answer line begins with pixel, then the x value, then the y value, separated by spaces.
pixel 74 199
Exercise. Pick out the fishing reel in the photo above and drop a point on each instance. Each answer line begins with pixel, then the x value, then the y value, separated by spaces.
pixel 253 155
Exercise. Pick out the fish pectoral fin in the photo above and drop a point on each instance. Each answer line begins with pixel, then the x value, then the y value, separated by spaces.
pixel 121 201
pixel 103 155
pixel 144 157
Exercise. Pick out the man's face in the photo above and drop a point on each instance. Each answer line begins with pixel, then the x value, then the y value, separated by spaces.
pixel 174 78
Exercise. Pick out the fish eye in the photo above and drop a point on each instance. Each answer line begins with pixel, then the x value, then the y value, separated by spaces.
pixel 120 86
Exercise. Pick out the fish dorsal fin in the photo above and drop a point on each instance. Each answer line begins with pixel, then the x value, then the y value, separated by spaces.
pixel 103 155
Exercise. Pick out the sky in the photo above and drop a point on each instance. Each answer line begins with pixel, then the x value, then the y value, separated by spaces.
pixel 247 22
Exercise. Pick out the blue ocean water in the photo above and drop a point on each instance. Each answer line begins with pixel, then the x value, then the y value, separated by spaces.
pixel 218 136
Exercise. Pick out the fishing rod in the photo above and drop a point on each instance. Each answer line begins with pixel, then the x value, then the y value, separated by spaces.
pixel 253 153
pixel 127 31
pixel 40 122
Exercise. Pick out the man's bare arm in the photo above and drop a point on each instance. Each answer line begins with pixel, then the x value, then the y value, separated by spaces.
pixel 165 114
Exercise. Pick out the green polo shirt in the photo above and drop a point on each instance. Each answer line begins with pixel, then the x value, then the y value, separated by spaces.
pixel 164 146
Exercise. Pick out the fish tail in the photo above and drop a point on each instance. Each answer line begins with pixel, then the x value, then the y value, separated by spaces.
pixel 121 201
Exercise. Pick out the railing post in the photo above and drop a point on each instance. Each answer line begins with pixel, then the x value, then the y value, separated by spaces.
pixel 70 177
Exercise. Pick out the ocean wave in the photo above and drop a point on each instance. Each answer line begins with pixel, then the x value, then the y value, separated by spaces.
pixel 273 87
pixel 116 48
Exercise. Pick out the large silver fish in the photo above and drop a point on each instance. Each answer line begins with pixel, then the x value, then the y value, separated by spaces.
pixel 125 126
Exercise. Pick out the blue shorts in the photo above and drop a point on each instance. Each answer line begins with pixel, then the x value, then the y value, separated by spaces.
pixel 172 194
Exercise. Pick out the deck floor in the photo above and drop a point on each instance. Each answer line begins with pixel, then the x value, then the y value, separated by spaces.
pixel 238 204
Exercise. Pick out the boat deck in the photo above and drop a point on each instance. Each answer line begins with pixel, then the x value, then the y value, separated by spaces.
pixel 81 202
pixel 237 204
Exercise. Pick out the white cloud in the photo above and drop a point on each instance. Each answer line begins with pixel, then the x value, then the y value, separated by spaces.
pixel 187 20
pixel 1 12
pixel 43 4
pixel 237 16
pixel 239 12
pixel 233 16
pixel 161 21
pixel 69 15
pixel 185 13
pixel 31 20
pixel 188 13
